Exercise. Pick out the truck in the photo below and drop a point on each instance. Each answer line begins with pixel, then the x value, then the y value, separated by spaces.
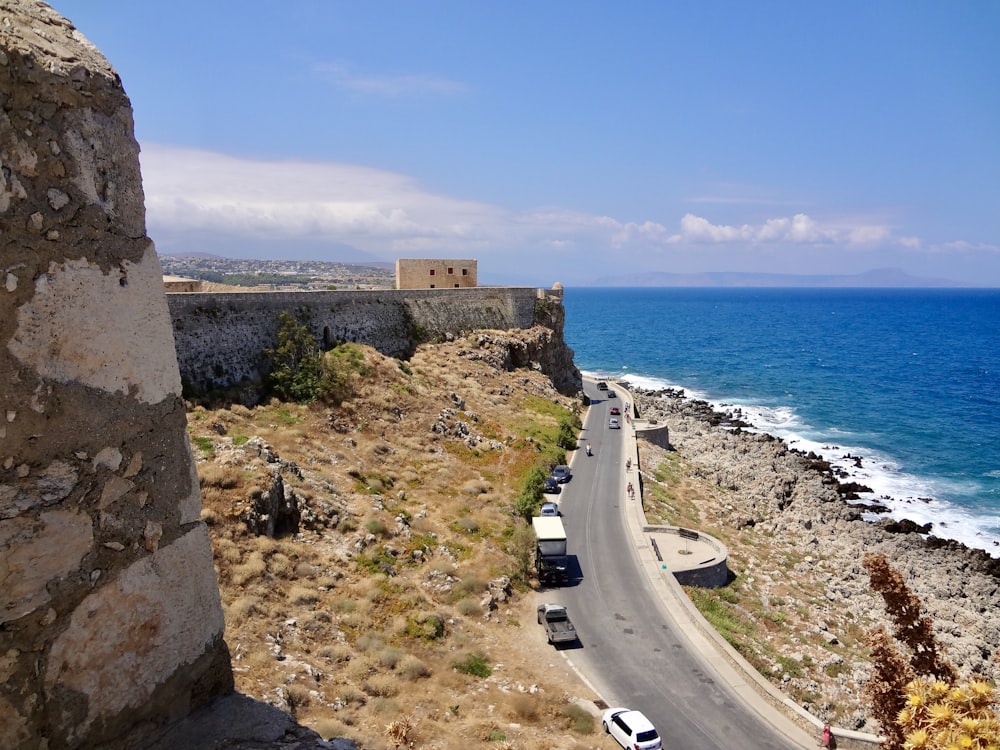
pixel 550 552
pixel 558 628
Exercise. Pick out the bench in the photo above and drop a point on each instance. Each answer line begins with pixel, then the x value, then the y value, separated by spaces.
pixel 688 534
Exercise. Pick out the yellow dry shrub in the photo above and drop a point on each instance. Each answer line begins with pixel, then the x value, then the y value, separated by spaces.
pixel 252 567
pixel 939 716
pixel 218 475
pixel 381 685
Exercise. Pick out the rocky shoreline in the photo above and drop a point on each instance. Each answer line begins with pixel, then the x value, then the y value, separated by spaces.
pixel 797 501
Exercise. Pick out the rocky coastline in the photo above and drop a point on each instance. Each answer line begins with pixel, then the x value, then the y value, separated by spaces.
pixel 763 488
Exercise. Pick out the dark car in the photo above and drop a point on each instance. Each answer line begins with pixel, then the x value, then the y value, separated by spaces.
pixel 602 386
pixel 562 474
pixel 612 394
pixel 552 486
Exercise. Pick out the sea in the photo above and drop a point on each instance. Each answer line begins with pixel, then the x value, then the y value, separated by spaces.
pixel 906 379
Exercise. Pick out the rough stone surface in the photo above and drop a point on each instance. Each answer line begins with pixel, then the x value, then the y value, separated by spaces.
pixel 794 500
pixel 221 336
pixel 110 612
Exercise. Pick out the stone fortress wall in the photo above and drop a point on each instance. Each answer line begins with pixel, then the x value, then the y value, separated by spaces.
pixel 220 336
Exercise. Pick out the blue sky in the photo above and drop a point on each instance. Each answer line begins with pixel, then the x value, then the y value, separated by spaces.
pixel 569 141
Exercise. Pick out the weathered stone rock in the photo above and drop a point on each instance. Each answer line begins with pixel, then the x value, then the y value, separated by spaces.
pixel 112 623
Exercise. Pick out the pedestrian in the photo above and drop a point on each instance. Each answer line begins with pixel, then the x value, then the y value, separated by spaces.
pixel 826 739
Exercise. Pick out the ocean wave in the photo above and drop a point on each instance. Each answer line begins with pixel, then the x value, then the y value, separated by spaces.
pixel 906 496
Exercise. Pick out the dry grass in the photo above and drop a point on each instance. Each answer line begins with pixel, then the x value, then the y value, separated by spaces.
pixel 382 627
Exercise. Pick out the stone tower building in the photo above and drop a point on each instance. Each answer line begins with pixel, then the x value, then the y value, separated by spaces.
pixel 438 273
pixel 110 618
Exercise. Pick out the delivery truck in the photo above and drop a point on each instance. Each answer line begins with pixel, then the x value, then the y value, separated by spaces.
pixel 550 552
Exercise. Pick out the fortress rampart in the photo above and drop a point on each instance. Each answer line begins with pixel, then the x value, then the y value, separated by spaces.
pixel 220 337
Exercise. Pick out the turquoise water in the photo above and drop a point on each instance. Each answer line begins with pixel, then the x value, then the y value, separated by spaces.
pixel 908 379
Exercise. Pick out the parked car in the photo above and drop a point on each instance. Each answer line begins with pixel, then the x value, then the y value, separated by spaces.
pixel 562 474
pixel 631 729
pixel 602 386
pixel 558 628
pixel 552 486
pixel 614 423
pixel 549 509
pixel 612 394
pixel 614 411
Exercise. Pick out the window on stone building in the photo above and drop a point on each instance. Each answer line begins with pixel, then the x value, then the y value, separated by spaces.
pixel 432 272
pixel 457 285
pixel 465 271
pixel 451 271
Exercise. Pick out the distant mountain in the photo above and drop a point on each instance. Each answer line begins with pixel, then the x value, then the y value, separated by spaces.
pixel 880 277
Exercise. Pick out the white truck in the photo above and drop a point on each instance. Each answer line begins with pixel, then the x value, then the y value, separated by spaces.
pixel 558 628
pixel 550 554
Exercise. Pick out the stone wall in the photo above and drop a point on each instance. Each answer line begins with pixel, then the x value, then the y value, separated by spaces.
pixel 110 618
pixel 220 337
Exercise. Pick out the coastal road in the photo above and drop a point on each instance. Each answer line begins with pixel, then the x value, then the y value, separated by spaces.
pixel 631 652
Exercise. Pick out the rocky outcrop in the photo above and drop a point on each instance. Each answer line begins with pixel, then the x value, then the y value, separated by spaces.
pixel 798 504
pixel 110 617
pixel 540 348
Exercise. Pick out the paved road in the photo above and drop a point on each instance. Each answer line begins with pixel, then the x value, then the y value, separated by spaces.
pixel 630 650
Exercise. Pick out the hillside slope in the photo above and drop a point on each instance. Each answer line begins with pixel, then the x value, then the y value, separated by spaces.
pixel 369 560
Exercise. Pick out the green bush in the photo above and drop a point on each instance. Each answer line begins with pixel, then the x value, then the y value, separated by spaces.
pixel 526 504
pixel 580 719
pixel 296 362
pixel 475 665
pixel 302 373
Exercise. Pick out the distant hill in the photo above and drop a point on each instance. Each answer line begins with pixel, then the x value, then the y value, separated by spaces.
pixel 881 277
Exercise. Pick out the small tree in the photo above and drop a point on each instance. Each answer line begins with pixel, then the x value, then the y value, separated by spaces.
pixel 532 490
pixel 521 546
pixel 296 362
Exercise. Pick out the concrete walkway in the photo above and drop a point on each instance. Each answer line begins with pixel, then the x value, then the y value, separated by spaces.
pixel 665 555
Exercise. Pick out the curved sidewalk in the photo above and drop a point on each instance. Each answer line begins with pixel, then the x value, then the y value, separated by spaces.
pixel 671 554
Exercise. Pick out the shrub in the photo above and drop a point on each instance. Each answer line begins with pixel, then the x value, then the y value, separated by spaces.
pixel 468 607
pixel 381 686
pixel 424 626
pixel 296 364
pixel 413 669
pixel 521 547
pixel 302 595
pixel 580 719
pixel 369 642
pixel 474 665
pixel 390 656
pixel 524 707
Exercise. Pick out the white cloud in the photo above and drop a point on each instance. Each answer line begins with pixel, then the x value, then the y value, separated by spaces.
pixel 192 193
pixel 344 76
pixel 800 229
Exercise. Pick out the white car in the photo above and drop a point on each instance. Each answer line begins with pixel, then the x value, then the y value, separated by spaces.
pixel 631 729
pixel 614 423
pixel 549 509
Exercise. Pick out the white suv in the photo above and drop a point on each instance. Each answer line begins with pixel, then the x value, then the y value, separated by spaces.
pixel 631 729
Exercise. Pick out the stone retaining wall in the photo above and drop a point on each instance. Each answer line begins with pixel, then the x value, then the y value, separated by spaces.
pixel 220 337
